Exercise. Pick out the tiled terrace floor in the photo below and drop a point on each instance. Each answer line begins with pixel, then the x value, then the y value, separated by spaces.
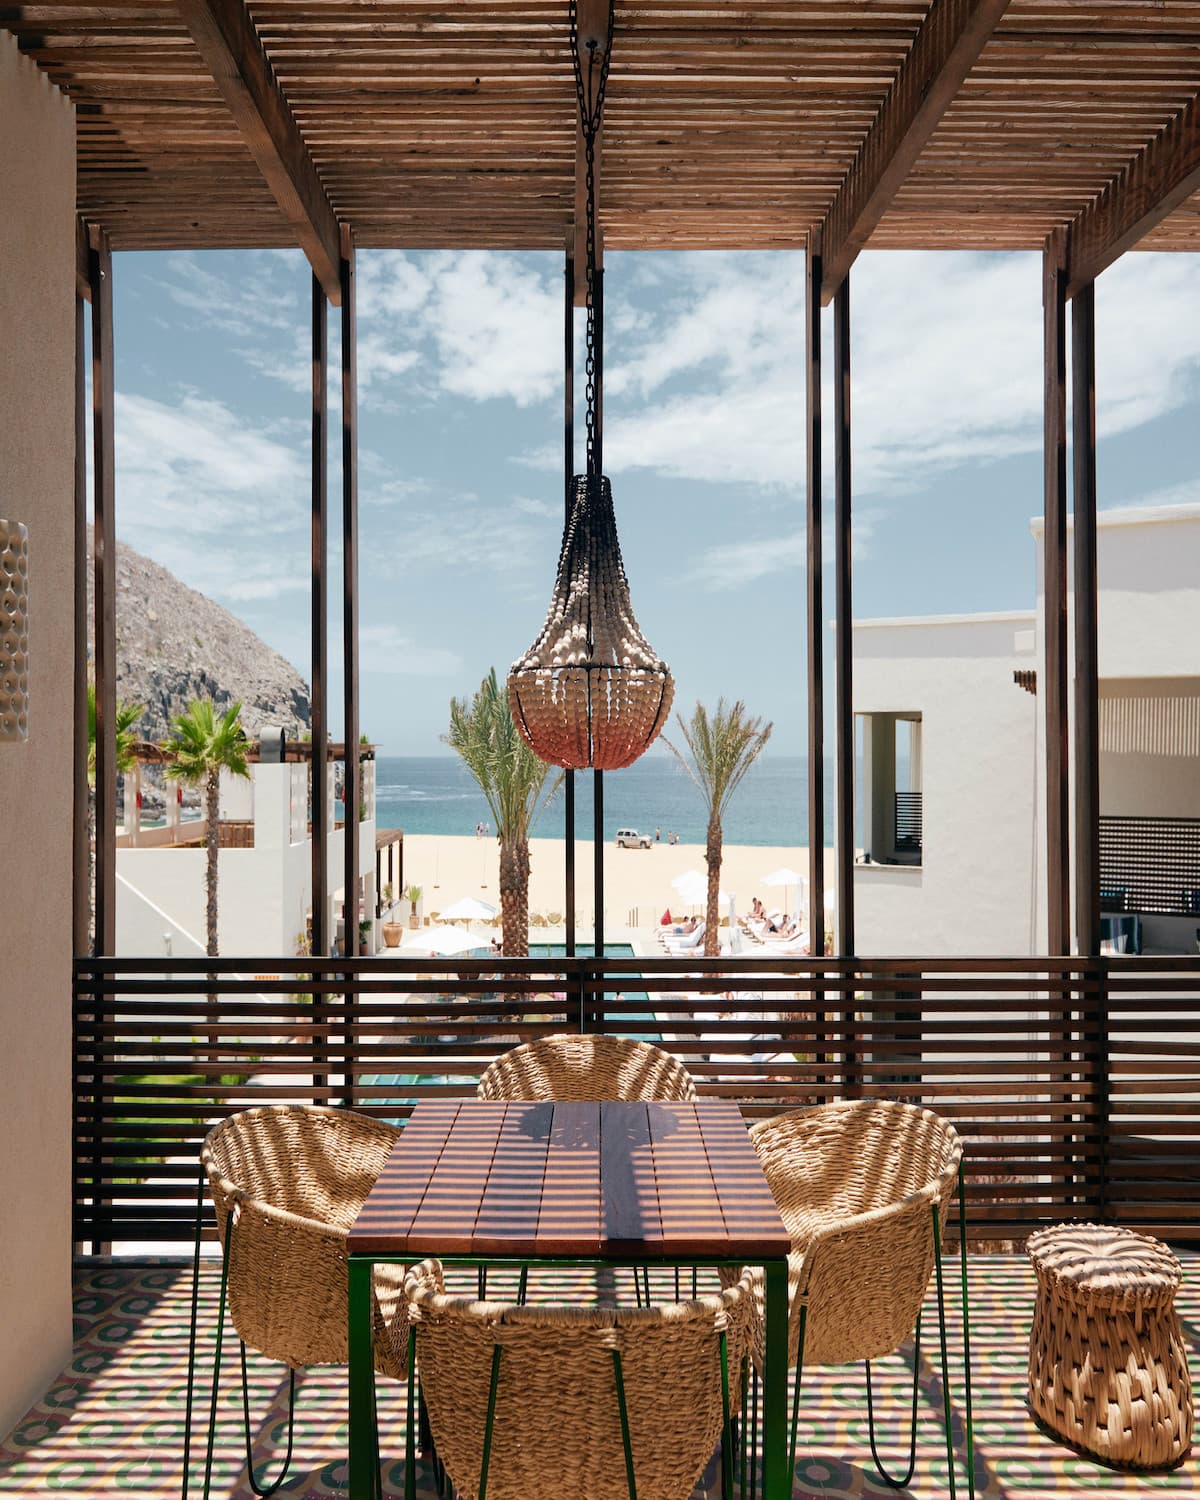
pixel 112 1424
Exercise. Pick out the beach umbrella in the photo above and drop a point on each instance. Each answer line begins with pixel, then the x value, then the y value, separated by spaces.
pixel 442 941
pixel 695 890
pixel 468 909
pixel 692 888
pixel 785 877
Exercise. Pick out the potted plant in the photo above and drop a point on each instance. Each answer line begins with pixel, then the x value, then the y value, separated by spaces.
pixel 392 930
pixel 412 895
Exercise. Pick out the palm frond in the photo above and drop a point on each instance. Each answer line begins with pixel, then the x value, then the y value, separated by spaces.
pixel 720 749
pixel 202 742
pixel 511 778
pixel 127 716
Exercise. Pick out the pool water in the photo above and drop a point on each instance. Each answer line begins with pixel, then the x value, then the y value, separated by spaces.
pixel 536 950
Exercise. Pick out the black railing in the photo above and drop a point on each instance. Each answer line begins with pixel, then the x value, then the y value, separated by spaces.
pixel 1076 1083
pixel 908 823
pixel 1150 865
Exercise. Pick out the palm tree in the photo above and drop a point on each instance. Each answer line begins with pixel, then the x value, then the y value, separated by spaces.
pixel 513 782
pixel 202 746
pixel 722 748
pixel 127 716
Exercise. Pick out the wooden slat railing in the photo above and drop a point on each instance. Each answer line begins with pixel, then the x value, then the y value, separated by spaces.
pixel 1076 1082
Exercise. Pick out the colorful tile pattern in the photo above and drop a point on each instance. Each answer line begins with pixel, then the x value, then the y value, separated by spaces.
pixel 112 1423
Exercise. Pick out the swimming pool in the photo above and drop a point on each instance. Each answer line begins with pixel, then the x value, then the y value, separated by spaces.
pixel 536 950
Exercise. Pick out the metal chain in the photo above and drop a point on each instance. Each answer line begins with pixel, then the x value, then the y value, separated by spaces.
pixel 589 93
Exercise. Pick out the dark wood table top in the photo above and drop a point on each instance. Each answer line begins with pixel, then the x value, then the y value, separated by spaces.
pixel 579 1180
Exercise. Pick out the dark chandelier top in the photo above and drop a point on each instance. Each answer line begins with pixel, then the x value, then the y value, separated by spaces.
pixel 591 691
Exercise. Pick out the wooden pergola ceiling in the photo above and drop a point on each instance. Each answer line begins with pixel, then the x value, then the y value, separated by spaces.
pixel 972 124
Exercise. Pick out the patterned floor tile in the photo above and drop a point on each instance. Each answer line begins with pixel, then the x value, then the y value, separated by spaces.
pixel 112 1424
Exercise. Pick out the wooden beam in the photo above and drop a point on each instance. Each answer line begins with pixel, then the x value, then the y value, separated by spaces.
pixel 234 54
pixel 1054 572
pixel 816 623
pixel 1158 180
pixel 1087 656
pixel 83 280
pixel 944 50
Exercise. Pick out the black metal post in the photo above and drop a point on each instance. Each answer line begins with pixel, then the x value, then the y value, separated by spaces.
pixel 1055 598
pixel 104 589
pixel 844 702
pixel 352 794
pixel 1087 679
pixel 321 936
pixel 845 654
pixel 816 687
pixel 568 476
pixel 598 857
pixel 81 904
pixel 320 603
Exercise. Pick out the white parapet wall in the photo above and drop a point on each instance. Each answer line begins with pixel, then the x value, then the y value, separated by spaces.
pixel 263 892
pixel 972 891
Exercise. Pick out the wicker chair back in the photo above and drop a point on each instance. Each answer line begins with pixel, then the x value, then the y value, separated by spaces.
pixel 557 1425
pixel 855 1183
pixel 587 1067
pixel 294 1177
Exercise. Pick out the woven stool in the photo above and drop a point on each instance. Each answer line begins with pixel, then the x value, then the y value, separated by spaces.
pixel 1107 1365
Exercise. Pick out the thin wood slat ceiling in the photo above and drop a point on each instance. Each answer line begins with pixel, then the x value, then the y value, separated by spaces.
pixel 728 126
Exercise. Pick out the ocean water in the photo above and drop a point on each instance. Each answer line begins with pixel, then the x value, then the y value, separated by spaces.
pixel 436 794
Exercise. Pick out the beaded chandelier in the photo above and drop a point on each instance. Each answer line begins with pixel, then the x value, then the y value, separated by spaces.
pixel 591 691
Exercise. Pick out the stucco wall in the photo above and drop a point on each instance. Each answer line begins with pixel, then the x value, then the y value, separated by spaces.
pixel 1148 628
pixel 973 891
pixel 37 384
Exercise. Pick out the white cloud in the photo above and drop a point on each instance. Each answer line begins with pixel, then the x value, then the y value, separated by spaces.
pixel 946 365
pixel 732 565
pixel 386 650
pixel 259 298
pixel 528 506
pixel 197 467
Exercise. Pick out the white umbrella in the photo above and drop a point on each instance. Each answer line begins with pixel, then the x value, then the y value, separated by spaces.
pixel 695 890
pixel 784 877
pixel 689 877
pixel 469 909
pixel 442 941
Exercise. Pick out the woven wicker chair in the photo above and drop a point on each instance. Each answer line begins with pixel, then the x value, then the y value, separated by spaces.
pixel 864 1188
pixel 587 1067
pixel 598 1403
pixel 287 1182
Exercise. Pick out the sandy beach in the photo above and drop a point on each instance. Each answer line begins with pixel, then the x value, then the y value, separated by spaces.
pixel 637 882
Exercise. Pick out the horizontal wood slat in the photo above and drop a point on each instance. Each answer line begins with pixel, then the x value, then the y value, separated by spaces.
pixel 1075 1082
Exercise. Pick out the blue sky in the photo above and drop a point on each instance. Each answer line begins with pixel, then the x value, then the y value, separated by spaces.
pixel 461 461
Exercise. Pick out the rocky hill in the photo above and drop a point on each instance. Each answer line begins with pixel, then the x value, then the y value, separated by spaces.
pixel 174 645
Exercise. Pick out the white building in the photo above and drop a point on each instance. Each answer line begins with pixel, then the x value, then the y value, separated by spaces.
pixel 264 889
pixel 952 766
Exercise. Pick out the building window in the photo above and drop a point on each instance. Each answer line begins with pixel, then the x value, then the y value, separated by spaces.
pixel 889 773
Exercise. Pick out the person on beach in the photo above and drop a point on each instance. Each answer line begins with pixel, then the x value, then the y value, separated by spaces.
pixel 658 835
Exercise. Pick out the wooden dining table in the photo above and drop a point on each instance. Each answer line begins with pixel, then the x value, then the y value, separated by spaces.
pixel 482 1183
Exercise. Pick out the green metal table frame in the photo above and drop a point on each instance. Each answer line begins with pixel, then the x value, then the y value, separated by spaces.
pixel 364 1454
